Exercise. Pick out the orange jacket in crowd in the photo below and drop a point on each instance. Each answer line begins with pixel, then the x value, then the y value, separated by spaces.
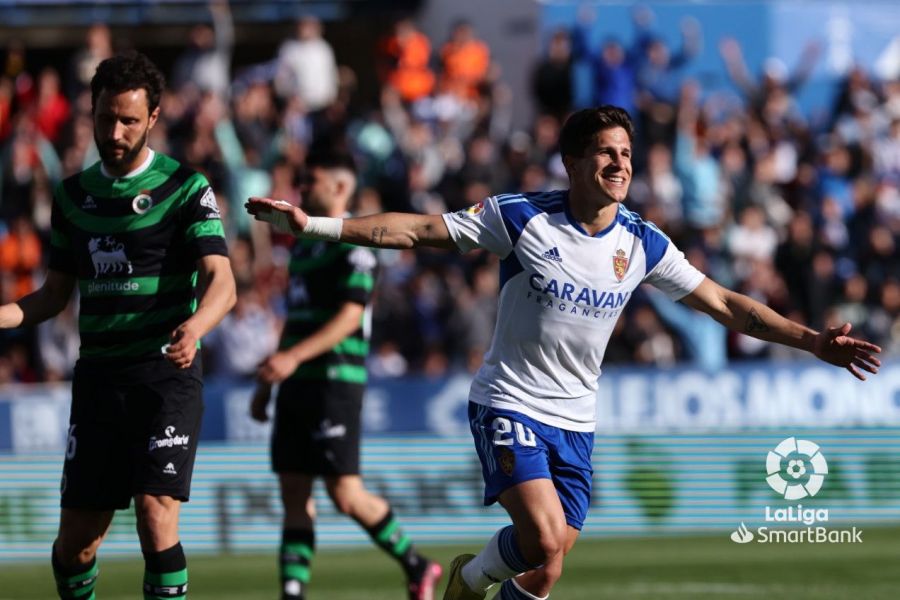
pixel 465 67
pixel 407 68
pixel 20 256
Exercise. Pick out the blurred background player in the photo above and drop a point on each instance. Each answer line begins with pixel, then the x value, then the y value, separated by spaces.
pixel 322 375
pixel 132 232
pixel 571 260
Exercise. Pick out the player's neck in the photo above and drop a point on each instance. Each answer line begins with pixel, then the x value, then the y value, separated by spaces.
pixel 138 165
pixel 592 213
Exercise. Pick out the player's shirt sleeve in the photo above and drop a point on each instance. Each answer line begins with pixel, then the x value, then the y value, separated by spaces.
pixel 204 234
pixel 62 258
pixel 480 226
pixel 358 277
pixel 674 275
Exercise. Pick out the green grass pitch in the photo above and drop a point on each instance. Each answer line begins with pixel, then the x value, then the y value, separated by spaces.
pixel 648 568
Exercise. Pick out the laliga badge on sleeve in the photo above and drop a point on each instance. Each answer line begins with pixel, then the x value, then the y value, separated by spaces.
pixel 142 203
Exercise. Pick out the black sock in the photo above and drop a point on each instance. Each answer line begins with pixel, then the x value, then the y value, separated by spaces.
pixel 388 536
pixel 74 582
pixel 295 560
pixel 165 574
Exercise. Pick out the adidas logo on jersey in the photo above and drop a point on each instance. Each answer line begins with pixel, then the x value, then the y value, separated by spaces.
pixel 170 469
pixel 552 254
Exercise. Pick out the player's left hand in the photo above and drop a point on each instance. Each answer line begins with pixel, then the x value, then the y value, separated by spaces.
pixel 283 216
pixel 259 402
pixel 277 367
pixel 835 347
pixel 182 347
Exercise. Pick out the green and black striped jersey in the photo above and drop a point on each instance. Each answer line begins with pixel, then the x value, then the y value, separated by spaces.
pixel 323 276
pixel 133 245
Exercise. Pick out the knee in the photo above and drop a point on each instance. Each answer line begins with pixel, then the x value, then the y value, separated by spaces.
pixel 80 535
pixel 342 501
pixel 546 544
pixel 552 545
pixel 72 550
pixel 155 516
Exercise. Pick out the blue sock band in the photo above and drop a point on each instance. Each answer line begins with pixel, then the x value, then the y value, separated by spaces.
pixel 508 544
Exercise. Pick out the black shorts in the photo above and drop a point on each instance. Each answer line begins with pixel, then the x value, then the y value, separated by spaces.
pixel 317 428
pixel 130 438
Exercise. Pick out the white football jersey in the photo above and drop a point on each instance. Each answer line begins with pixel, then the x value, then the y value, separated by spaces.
pixel 561 292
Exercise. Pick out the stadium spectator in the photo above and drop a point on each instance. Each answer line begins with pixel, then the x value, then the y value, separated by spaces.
pixel 58 344
pixel 403 61
pixel 658 78
pixel 771 98
pixel 551 78
pixel 320 370
pixel 465 61
pixel 205 66
pixel 306 68
pixel 97 48
pixel 136 372
pixel 51 109
pixel 532 403
pixel 246 336
pixel 613 67
pixel 695 165
pixel 20 258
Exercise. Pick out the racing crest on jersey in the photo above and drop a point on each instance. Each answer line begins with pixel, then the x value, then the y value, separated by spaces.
pixel 108 256
pixel 620 264
pixel 507 459
pixel 142 202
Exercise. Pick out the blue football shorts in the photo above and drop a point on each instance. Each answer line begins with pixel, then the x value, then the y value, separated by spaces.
pixel 514 448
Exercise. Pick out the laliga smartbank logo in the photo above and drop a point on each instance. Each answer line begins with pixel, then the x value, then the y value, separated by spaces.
pixel 796 469
pixel 803 464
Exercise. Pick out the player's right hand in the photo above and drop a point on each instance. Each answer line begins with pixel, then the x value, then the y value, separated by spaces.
pixel 277 367
pixel 260 402
pixel 284 216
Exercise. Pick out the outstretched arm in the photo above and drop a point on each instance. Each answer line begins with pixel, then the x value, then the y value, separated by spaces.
pixel 741 313
pixel 385 230
pixel 40 305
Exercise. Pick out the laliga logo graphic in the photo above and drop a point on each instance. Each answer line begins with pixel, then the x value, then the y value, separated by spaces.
pixel 803 464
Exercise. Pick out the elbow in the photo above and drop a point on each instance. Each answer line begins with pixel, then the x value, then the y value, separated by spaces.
pixel 231 297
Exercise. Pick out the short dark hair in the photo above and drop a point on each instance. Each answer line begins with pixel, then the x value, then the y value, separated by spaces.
pixel 131 71
pixel 580 128
pixel 330 159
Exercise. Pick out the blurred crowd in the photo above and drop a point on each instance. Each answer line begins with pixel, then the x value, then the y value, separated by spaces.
pixel 803 215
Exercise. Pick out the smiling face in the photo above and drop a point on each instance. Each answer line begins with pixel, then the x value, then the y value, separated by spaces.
pixel 604 172
pixel 121 124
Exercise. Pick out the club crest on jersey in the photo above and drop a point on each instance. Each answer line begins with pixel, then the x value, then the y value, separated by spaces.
pixel 108 256
pixel 142 202
pixel 507 460
pixel 620 264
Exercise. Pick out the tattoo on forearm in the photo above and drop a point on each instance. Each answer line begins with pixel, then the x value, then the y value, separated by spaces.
pixel 755 323
pixel 378 234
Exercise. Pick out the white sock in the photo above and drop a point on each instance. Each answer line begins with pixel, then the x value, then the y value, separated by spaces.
pixel 512 589
pixel 500 560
